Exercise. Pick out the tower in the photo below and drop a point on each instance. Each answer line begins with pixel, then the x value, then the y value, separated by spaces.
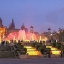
pixel 1 23
pixel 31 29
pixel 23 27
pixel 49 30
pixel 12 25
pixel 49 34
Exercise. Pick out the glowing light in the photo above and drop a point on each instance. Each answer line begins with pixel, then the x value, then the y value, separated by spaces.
pixel 48 46
pixel 40 38
pixel 57 52
pixel 14 38
pixel 44 39
pixel 9 41
pixel 3 36
pixel 54 50
pixel 27 47
pixel 17 41
pixel 27 40
pixel 32 51
pixel 23 38
pixel 32 37
pixel 37 40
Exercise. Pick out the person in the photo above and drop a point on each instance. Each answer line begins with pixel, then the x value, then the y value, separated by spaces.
pixel 2 43
pixel 61 53
pixel 49 54
pixel 45 54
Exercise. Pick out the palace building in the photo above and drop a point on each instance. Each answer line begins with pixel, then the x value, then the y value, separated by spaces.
pixel 4 30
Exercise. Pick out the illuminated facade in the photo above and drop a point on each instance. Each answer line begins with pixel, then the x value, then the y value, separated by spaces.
pixel 22 33
pixel 3 30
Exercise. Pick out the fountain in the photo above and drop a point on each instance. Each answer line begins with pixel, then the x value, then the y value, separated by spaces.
pixel 40 39
pixel 21 35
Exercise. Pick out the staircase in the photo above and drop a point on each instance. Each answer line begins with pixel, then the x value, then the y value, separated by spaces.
pixel 54 50
pixel 6 52
pixel 31 51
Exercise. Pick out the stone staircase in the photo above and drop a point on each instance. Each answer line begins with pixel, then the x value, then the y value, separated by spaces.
pixel 31 51
pixel 54 52
pixel 5 52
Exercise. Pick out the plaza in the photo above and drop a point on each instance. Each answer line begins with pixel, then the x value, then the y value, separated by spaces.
pixel 33 61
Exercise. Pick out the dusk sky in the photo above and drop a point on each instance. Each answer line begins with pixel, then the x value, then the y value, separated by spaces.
pixel 39 13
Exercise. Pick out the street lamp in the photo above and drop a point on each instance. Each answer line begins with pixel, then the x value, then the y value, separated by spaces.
pixel 51 37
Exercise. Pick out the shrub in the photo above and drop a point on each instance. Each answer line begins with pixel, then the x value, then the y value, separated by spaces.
pixel 16 53
pixel 25 50
pixel 37 46
pixel 33 44
pixel 58 45
pixel 19 43
pixel 41 49
pixel 54 44
pixel 44 46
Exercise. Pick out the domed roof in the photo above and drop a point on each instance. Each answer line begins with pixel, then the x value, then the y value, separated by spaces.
pixel 49 28
pixel 31 26
pixel 22 27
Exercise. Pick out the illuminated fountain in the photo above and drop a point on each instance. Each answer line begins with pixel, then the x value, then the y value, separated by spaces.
pixel 22 35
pixel 40 39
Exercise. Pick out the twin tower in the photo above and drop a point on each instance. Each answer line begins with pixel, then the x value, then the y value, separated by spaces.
pixel 12 26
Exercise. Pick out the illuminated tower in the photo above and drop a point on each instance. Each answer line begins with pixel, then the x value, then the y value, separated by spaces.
pixel 1 23
pixel 31 29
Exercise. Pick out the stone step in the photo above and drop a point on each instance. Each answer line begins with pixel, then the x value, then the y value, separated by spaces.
pixel 32 51
pixel 7 54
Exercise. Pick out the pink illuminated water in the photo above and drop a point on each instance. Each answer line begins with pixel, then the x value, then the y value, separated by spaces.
pixel 22 35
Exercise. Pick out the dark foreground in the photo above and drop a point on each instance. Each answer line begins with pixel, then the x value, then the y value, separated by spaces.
pixel 33 61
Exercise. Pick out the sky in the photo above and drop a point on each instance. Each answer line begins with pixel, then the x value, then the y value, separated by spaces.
pixel 41 14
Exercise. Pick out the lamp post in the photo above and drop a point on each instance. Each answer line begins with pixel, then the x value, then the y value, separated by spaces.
pixel 51 37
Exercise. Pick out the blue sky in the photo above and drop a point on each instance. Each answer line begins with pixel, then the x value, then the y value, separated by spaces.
pixel 39 13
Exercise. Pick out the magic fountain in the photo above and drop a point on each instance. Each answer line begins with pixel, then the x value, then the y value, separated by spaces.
pixel 22 35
